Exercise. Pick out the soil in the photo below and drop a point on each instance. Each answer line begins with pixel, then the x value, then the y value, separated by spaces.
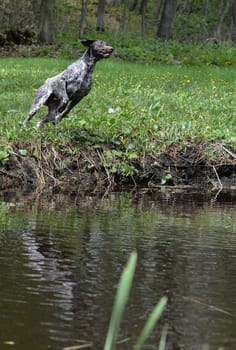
pixel 178 167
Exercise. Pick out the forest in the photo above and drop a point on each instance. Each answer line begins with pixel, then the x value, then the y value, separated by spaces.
pixel 26 21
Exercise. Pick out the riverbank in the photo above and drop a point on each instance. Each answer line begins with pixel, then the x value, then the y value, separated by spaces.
pixel 141 126
pixel 89 170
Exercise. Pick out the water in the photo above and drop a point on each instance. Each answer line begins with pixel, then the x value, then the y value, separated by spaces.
pixel 61 259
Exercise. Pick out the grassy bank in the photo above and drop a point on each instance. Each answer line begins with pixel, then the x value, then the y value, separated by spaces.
pixel 133 110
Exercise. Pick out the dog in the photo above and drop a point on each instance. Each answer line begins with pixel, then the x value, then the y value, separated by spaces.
pixel 63 91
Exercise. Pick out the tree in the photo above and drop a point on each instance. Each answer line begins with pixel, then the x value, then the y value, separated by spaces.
pixel 133 5
pixel 143 16
pixel 83 17
pixel 224 5
pixel 46 21
pixel 234 21
pixel 157 8
pixel 36 12
pixel 101 16
pixel 167 19
pixel 124 15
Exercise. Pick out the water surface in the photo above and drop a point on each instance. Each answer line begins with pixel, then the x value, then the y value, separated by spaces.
pixel 61 258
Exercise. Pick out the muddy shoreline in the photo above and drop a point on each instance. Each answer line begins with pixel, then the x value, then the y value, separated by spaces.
pixel 88 171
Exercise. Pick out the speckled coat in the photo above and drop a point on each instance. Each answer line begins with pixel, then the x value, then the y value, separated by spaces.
pixel 63 91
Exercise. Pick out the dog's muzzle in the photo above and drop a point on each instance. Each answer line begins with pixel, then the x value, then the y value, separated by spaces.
pixel 107 53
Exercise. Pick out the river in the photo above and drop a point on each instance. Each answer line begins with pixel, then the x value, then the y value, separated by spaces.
pixel 61 257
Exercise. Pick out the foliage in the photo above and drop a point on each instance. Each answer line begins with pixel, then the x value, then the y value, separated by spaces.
pixel 195 21
pixel 4 152
pixel 133 48
pixel 119 306
pixel 120 303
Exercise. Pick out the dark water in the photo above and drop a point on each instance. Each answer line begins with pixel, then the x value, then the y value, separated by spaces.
pixel 61 258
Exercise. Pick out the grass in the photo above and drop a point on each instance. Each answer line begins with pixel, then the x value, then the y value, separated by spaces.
pixel 121 299
pixel 134 108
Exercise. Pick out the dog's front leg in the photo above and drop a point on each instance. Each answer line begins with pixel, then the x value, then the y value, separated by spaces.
pixel 68 108
pixel 59 89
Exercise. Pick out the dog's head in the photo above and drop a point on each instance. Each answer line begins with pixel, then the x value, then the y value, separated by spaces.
pixel 99 48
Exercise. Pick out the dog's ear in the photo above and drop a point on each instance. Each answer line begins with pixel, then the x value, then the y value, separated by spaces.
pixel 86 42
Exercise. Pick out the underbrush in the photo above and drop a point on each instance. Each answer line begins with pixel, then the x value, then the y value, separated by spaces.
pixel 150 50
pixel 131 47
pixel 133 110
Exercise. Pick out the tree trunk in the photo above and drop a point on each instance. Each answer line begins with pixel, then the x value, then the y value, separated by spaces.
pixel 133 5
pixel 223 10
pixel 167 19
pixel 36 12
pixel 143 16
pixel 47 20
pixel 206 8
pixel 157 8
pixel 124 15
pixel 101 16
pixel 234 21
pixel 83 17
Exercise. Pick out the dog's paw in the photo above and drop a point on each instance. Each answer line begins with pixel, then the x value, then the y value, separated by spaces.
pixel 65 101
pixel 40 125
pixel 57 120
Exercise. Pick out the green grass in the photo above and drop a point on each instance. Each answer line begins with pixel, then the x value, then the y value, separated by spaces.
pixel 133 108
pixel 121 299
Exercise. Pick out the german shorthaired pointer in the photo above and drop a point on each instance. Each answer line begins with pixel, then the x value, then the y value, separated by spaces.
pixel 63 91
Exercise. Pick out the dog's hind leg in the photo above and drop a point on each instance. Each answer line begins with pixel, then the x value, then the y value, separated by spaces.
pixel 53 105
pixel 32 112
pixel 59 90
pixel 48 118
pixel 67 109
pixel 40 100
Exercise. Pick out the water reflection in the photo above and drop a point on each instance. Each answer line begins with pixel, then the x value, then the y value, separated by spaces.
pixel 61 258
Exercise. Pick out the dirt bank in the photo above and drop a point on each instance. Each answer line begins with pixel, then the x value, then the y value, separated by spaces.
pixel 89 170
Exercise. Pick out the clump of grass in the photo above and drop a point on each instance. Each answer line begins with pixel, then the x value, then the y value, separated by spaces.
pixel 119 308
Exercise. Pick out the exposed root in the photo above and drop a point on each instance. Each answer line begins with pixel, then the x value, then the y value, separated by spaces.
pixel 89 170
pixel 218 178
